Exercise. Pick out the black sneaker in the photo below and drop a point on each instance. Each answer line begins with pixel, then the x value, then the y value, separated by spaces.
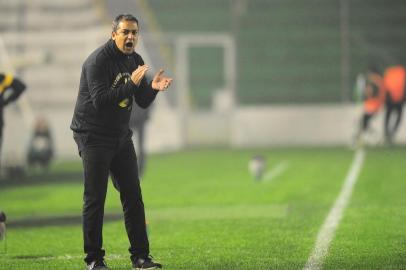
pixel 97 265
pixel 145 263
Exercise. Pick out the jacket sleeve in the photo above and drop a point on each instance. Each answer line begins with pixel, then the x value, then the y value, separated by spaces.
pixel 17 87
pixel 145 95
pixel 100 93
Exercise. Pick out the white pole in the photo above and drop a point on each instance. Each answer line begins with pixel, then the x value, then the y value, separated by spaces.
pixel 345 50
pixel 182 85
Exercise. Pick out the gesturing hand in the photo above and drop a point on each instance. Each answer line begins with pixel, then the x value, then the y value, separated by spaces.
pixel 138 74
pixel 160 82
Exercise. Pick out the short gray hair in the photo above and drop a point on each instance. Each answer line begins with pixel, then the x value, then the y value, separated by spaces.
pixel 120 18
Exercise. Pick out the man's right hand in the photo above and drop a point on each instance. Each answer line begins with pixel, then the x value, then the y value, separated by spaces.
pixel 138 74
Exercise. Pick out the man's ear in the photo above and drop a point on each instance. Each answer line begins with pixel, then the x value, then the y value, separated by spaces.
pixel 113 35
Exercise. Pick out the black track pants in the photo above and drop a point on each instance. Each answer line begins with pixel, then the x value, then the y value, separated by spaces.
pixel 102 156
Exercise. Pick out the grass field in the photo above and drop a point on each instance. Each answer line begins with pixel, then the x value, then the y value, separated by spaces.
pixel 205 211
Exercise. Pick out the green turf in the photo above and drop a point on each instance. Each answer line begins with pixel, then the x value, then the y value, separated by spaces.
pixel 204 211
pixel 373 235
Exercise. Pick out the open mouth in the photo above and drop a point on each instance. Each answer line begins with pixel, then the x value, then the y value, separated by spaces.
pixel 129 45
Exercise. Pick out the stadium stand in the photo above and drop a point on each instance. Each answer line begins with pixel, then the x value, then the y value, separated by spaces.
pixel 289 51
pixel 62 32
pixel 46 43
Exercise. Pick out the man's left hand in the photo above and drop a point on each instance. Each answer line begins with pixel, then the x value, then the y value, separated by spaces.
pixel 160 82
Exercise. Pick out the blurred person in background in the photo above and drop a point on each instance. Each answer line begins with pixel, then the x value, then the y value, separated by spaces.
pixel 41 147
pixel 138 121
pixel 359 88
pixel 373 99
pixel 394 80
pixel 10 89
pixel 112 77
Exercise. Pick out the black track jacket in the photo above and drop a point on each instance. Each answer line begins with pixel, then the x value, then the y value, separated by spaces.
pixel 106 92
pixel 12 84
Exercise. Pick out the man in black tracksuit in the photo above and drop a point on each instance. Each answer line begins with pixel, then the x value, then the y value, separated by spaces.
pixel 10 89
pixel 112 76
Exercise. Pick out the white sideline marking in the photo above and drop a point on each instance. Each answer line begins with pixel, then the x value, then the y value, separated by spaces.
pixel 332 221
pixel 277 170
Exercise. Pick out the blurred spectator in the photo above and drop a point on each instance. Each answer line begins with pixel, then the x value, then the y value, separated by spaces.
pixel 394 80
pixel 359 87
pixel 10 89
pixel 373 97
pixel 40 148
pixel 138 120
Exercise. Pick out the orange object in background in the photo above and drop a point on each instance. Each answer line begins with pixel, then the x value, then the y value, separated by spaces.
pixel 394 80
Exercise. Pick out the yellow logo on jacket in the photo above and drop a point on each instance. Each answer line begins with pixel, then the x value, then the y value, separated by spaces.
pixel 122 77
pixel 124 103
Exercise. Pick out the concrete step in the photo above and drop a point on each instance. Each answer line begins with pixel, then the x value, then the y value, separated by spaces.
pixel 58 77
pixel 56 38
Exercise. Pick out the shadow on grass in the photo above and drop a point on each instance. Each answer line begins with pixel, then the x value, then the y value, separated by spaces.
pixel 30 257
pixel 41 178
pixel 56 221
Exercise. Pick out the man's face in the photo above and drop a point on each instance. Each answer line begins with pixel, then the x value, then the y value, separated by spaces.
pixel 126 36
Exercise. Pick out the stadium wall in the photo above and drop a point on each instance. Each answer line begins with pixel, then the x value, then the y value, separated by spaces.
pixel 267 126
pixel 308 125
